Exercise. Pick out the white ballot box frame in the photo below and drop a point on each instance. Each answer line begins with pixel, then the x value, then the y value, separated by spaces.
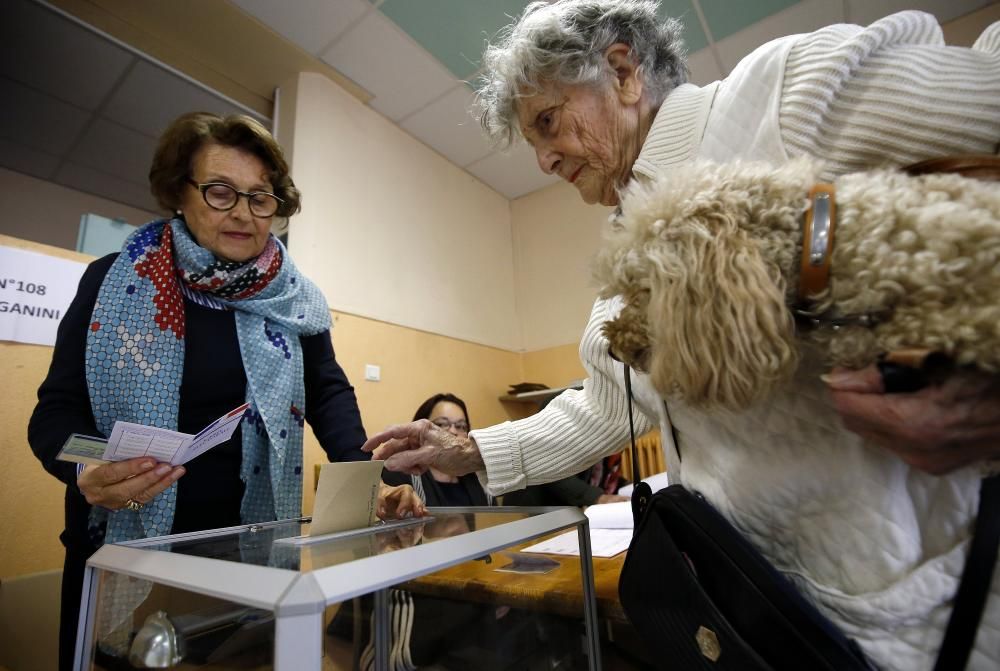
pixel 298 599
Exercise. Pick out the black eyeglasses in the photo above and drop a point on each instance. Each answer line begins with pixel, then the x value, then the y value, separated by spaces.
pixel 220 196
pixel 443 422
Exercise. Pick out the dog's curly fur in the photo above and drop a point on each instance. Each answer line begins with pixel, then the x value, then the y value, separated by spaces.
pixel 707 260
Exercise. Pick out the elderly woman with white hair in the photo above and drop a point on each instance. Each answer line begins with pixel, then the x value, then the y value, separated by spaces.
pixel 876 538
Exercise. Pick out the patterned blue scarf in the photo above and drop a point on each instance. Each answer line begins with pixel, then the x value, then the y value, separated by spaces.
pixel 135 360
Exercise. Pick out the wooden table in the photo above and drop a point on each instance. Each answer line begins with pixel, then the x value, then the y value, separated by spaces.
pixel 559 591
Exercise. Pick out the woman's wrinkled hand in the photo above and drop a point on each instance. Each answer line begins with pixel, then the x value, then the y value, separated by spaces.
pixel 413 448
pixel 937 429
pixel 112 485
pixel 398 502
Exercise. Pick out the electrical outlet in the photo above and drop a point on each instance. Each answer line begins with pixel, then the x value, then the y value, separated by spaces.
pixel 373 373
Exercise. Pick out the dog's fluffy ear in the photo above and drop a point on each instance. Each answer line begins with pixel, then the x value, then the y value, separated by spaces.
pixel 721 334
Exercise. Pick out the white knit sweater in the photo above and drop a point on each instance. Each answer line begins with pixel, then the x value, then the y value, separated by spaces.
pixel 838 93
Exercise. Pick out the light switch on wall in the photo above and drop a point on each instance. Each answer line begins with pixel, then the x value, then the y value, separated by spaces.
pixel 373 373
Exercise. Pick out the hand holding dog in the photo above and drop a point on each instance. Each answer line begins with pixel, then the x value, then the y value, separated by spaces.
pixel 937 429
pixel 413 448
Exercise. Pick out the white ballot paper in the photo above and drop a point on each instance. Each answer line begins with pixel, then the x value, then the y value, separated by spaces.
pixel 603 543
pixel 610 532
pixel 129 440
pixel 655 482
pixel 346 496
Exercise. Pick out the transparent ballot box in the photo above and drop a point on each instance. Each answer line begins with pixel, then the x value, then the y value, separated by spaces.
pixel 451 591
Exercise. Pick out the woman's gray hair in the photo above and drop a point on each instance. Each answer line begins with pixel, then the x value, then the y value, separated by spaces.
pixel 564 42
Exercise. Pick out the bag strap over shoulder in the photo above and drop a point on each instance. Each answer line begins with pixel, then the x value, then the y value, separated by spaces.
pixel 974 589
pixel 641 491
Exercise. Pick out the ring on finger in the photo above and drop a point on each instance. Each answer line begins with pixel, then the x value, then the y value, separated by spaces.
pixel 133 505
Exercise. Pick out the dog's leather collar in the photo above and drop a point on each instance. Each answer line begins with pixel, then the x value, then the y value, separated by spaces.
pixel 814 271
pixel 808 319
pixel 817 241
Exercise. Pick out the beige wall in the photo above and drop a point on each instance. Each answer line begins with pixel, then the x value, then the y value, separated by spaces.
pixel 555 236
pixel 390 229
pixel 45 212
pixel 553 366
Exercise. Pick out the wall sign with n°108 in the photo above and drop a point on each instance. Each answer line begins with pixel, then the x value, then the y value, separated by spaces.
pixel 35 290
pixel 24 287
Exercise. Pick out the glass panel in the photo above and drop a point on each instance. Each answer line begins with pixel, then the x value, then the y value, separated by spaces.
pixel 257 544
pixel 139 624
pixel 504 610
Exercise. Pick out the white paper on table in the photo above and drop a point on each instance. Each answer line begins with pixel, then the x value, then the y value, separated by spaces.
pixel 655 482
pixel 603 543
pixel 616 515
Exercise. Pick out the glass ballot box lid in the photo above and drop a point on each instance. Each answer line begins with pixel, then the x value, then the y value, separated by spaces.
pixel 271 596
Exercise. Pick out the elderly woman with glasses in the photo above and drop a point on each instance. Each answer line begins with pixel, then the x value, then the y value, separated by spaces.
pixel 198 314
pixel 875 537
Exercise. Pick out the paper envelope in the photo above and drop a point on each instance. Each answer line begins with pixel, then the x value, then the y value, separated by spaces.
pixel 346 496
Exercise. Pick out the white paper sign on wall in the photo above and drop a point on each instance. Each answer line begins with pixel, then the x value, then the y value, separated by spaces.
pixel 35 290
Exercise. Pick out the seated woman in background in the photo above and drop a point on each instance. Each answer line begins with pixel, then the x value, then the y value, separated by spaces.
pixel 435 488
pixel 199 313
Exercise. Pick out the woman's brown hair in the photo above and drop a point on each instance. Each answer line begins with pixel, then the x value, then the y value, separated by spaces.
pixel 188 133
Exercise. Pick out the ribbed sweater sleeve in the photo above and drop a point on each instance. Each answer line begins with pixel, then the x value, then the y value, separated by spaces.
pixel 891 93
pixel 572 432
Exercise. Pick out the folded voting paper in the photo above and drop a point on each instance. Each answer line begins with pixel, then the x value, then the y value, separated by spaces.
pixel 346 496
pixel 129 440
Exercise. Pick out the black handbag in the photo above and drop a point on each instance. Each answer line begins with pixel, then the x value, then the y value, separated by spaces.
pixel 702 597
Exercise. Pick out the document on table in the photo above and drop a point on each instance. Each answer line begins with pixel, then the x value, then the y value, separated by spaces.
pixel 610 532
pixel 603 543
pixel 129 440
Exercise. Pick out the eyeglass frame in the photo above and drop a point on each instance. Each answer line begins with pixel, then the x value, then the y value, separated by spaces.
pixel 203 188
pixel 449 424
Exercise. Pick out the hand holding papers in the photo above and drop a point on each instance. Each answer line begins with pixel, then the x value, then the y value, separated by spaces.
pixel 129 440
